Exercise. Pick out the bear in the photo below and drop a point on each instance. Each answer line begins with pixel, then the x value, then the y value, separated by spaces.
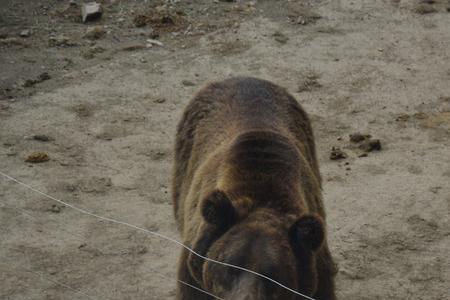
pixel 246 191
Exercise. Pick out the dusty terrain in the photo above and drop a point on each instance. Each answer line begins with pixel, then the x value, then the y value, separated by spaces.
pixel 102 110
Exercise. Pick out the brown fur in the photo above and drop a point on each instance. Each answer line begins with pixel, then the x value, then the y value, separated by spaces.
pixel 247 191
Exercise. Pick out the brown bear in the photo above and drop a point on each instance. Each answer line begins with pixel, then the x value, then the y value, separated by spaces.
pixel 247 191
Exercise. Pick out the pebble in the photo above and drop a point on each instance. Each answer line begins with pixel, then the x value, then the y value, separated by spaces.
pixel 42 138
pixel 95 33
pixel 154 42
pixel 358 137
pixel 55 209
pixel 188 83
pixel 280 38
pixel 337 153
pixel 25 33
pixel 370 145
pixel 160 100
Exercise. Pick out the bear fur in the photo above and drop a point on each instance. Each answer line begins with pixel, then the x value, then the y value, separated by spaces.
pixel 246 191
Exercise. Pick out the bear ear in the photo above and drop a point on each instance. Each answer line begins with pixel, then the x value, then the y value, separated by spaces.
pixel 307 232
pixel 218 210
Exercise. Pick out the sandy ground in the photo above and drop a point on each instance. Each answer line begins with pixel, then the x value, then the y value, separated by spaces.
pixel 111 106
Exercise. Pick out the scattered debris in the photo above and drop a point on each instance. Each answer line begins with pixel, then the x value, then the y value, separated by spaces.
pixel 370 145
pixel 280 37
pixel 337 153
pixel 37 157
pixel 95 33
pixel 42 77
pixel 358 137
pixel 91 11
pixel 188 83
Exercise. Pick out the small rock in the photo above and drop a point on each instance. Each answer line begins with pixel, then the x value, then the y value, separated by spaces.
pixel 95 33
pixel 91 11
pixel 133 47
pixel 154 42
pixel 402 118
pixel 337 153
pixel 25 33
pixel 370 145
pixel 37 157
pixel 363 155
pixel 188 83
pixel 358 137
pixel 280 38
pixel 142 250
pixel 42 77
pixel 160 100
pixel 42 138
pixel 55 209
pixel 425 8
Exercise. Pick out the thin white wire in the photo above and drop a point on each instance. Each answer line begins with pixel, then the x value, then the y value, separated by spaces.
pixel 151 269
pixel 83 211
pixel 43 277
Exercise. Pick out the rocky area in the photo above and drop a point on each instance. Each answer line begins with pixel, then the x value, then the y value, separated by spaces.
pixel 90 96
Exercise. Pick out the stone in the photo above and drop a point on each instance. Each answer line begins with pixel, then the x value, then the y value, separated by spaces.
pixel 95 33
pixel 337 153
pixel 358 137
pixel 188 83
pixel 280 37
pixel 91 11
pixel 25 33
pixel 371 145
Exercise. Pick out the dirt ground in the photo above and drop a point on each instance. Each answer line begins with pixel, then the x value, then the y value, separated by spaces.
pixel 101 107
